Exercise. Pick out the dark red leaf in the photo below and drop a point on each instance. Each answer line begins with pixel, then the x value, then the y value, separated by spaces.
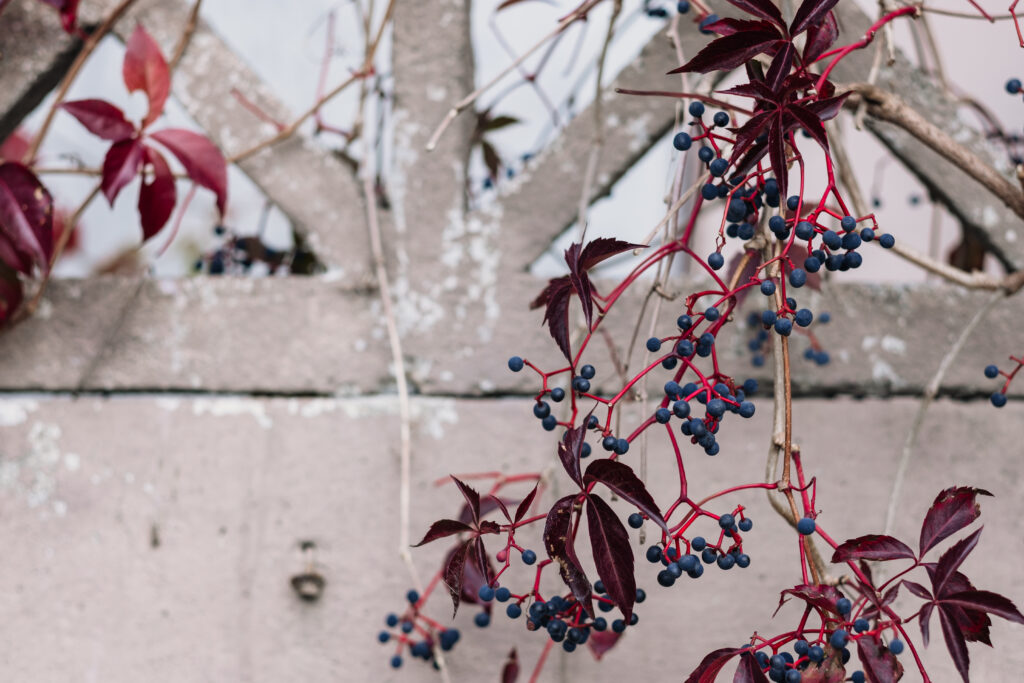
pixel 755 89
pixel 890 595
pixel 11 291
pixel 713 662
pixel 555 299
pixel 146 69
pixel 443 528
pixel 492 160
pixel 953 509
pixel 820 37
pixel 501 505
pixel 487 505
pixel 973 624
pixel 810 123
pixel 823 597
pixel 613 555
pixel 749 671
pixel 120 166
pixel 472 499
pixel 580 281
pixel 765 9
pixel 777 154
pixel 780 67
pixel 157 195
pixel 829 108
pixel 728 52
pixel 202 160
pixel 872 547
pixel 559 545
pixel 602 641
pixel 727 26
pixel 26 218
pixel 918 590
pixel 951 560
pixel 101 118
pixel 604 248
pixel 809 13
pixel 510 672
pixel 524 506
pixel 454 569
pixel 620 478
pixel 924 618
pixel 489 527
pixel 570 449
pixel 480 563
pixel 955 643
pixel 880 665
pixel 985 601
pixel 499 122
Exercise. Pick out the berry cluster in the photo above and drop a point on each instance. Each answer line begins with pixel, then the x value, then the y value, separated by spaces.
pixel 998 398
pixel 417 633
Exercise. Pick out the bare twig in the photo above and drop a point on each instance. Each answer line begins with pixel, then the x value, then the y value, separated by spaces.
pixel 889 107
pixel 931 390
pixel 186 35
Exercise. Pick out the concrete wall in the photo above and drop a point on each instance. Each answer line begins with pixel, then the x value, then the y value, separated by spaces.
pixel 167 447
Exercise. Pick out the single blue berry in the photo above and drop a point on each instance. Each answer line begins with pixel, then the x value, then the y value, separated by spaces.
pixel 803 317
pixel 793 202
pixel 682 141
pixel 706 154
pixel 549 423
pixel 726 521
pixel 718 167
pixel 636 520
pixel 698 543
pixel 998 399
pixel 486 593
pixel 541 409
pixel 412 596
pixel 867 234
pixel 621 446
pixel 666 578
pixel 407 627
pixel 767 287
pixel 712 314
pixel 844 605
pixel 391 620
pixel 721 119
pixel 804 230
pixel 716 261
pixel 745 231
pixel 581 384
pixel 784 326
pixel 991 371
pixel 669 363
pixel 793 676
pixel 515 363
pixel 816 653
pixel 529 557
pixel 1013 86
pixel 683 6
pixel 746 524
pixel 857 677
pixel 806 526
pixel 653 344
pixel 482 619
pixel 726 562
pixel 684 322
pixel 681 409
pixel 383 636
pixel 696 108
pixel 396 662
pixel 798 277
pixel 618 626
pixel 587 372
pixel 861 625
pixel 709 555
pixel 709 191
pixel 887 241
pixel 768 317
pixel 514 611
pixel 851 240
pixel 743 560
pixel 502 594
pixel 662 415
pixel 848 223
pixel 557 394
pixel 746 409
pixel 654 554
pixel 895 646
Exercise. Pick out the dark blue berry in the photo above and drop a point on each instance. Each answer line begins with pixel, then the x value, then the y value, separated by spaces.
pixel 541 409
pixel 848 223
pixel 706 154
pixel 998 399
pixel 816 653
pixel 804 230
pixel 383 636
pixel 482 619
pixel 844 605
pixel 654 554
pixel 991 371
pixel 412 596
pixel 557 394
pixel 784 326
pixel 529 557
pixel 831 239
pixel 662 415
pixel 515 363
pixel 486 593
pixel 806 526
pixel 792 203
pixel 407 627
pixel 858 677
pixel 581 384
pixel 768 317
pixel 708 556
pixel 721 119
pixel 745 232
pixel 684 322
pixel 587 372
pixel 895 646
pixel 712 313
pixel 683 6
pixel 709 192
pixel 653 344
pixel 768 288
pixel 396 661
pixel 622 446
pixel 726 562
pixel 666 578
pixel 851 240
pixel 797 277
pixel 682 141
pixel 887 241
pixel 698 543
pixel 636 520
pixel 669 363
pixel 618 626
pixel 867 234
pixel 681 409
pixel 391 620
pixel 549 423
pixel 716 261
pixel 861 625
pixel 1013 86
pixel 746 409
pixel 718 167
pixel 803 317
pixel 696 108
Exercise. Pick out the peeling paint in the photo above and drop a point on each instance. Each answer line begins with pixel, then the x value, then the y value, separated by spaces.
pixel 232 407
pixel 15 411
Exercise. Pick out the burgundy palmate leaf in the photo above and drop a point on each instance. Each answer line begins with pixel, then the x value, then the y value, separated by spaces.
pixel 602 641
pixel 729 52
pixel 120 166
pixel 472 499
pixel 492 160
pixel 727 26
pixel 880 665
pixel 749 671
pixel 68 12
pixel 755 89
pixel 951 560
pixel 918 590
pixel 524 506
pixel 11 291
pixel 953 509
pixel 580 281
pixel 570 449
pixel 955 643
pixel 810 122
pixel 559 545
pixel 874 609
pixel 620 478
pixel 765 9
pixel 487 505
pixel 555 299
pixel 157 195
pixel 510 671
pixel 602 249
pixel 443 528
pixel 500 504
pixel 973 624
pixel 809 13
pixel 479 571
pixel 203 162
pixel 985 601
pixel 827 108
pixel 777 153
pixel 924 621
pixel 872 547
pixel 146 69
pixel 613 555
pixel 712 664
pixel 26 219
pixel 820 37
pixel 780 67
pixel 821 596
pixel 453 572
pixel 101 118
pixel 489 527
